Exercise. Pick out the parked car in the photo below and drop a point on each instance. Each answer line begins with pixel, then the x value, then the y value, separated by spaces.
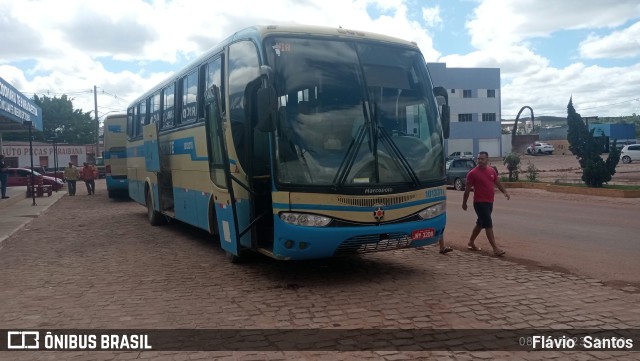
pixel 540 148
pixel 20 177
pixel 630 153
pixel 48 172
pixel 457 170
pixel 455 155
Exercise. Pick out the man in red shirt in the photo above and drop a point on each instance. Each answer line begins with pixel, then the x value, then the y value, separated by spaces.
pixel 482 179
pixel 88 175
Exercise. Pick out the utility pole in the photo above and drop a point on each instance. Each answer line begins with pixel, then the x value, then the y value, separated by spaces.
pixel 95 112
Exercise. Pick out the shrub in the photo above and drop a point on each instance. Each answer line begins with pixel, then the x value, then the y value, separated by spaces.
pixel 512 161
pixel 532 172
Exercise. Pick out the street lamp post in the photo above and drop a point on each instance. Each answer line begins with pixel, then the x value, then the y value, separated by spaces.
pixel 95 101
pixel 29 124
pixel 53 139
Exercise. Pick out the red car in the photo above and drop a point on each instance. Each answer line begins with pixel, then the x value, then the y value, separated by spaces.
pixel 50 173
pixel 20 176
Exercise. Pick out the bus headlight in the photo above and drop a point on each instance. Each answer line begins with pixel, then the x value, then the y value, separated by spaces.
pixel 304 219
pixel 433 211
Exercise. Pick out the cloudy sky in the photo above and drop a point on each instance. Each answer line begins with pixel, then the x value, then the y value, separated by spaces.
pixel 547 50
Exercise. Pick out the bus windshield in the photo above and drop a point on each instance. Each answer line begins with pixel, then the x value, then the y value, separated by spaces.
pixel 353 114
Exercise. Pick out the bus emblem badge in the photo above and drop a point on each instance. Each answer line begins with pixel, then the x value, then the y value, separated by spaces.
pixel 378 214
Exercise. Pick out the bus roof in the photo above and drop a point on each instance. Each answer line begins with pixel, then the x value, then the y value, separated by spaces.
pixel 111 116
pixel 259 32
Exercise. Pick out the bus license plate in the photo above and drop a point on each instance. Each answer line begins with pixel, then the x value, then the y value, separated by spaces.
pixel 422 233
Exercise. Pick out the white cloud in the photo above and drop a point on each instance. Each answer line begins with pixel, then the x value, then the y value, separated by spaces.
pixel 619 44
pixel 501 23
pixel 431 16
pixel 126 46
pixel 548 91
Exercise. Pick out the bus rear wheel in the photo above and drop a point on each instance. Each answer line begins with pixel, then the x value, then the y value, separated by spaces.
pixel 155 217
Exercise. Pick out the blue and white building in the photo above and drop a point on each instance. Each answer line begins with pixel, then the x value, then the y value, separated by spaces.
pixel 474 99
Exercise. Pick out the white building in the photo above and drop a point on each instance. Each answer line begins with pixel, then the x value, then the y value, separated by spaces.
pixel 474 99
pixel 17 154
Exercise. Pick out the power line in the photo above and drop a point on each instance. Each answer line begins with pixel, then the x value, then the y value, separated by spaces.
pixel 77 92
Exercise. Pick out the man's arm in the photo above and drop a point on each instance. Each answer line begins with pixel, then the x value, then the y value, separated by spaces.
pixel 502 189
pixel 465 197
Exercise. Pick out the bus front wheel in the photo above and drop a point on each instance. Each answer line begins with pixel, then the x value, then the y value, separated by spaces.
pixel 155 217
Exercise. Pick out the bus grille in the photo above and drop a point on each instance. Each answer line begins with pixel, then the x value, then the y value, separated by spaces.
pixel 373 243
pixel 372 201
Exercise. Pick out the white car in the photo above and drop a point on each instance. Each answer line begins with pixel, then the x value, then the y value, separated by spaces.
pixel 456 155
pixel 539 148
pixel 630 153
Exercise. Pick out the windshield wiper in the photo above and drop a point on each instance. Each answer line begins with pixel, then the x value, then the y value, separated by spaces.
pixel 349 158
pixel 399 159
pixel 352 152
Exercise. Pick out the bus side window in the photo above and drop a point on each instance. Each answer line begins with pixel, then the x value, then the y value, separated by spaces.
pixel 168 111
pixel 154 108
pixel 243 68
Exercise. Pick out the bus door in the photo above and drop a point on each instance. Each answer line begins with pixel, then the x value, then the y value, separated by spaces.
pixel 226 212
pixel 157 162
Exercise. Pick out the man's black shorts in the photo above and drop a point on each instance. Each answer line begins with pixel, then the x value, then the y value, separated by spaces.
pixel 483 210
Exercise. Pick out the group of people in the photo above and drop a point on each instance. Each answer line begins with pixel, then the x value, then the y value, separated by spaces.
pixel 89 174
pixel 483 180
pixel 71 173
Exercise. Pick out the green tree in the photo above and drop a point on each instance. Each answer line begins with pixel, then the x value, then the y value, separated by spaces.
pixel 512 161
pixel 595 171
pixel 71 125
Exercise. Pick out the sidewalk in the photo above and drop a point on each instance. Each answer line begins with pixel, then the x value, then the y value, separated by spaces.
pixel 19 210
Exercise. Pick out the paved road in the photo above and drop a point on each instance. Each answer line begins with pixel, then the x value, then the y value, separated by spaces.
pixel 586 235
pixel 106 267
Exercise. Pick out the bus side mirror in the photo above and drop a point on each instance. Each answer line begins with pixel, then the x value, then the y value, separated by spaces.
pixel 444 112
pixel 267 108
pixel 445 121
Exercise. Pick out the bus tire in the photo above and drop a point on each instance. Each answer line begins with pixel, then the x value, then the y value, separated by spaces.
pixel 155 217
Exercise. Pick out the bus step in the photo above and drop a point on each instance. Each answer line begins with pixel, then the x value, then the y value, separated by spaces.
pixel 171 214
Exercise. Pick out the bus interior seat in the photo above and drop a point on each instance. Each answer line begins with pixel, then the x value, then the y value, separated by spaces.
pixel 303 107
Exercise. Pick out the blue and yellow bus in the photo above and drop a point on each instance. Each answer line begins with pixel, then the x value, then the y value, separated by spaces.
pixel 297 142
pixel 115 155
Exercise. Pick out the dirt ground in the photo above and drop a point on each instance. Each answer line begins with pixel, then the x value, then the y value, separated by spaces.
pixel 565 168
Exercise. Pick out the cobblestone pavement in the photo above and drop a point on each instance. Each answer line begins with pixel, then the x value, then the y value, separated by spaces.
pixel 93 263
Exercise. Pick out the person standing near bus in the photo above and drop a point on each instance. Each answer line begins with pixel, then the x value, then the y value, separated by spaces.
pixel 88 175
pixel 3 177
pixel 482 179
pixel 71 174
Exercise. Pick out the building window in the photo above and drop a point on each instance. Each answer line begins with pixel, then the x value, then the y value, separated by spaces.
pixel 453 91
pixel 464 117
pixel 491 93
pixel 466 93
pixel 488 117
